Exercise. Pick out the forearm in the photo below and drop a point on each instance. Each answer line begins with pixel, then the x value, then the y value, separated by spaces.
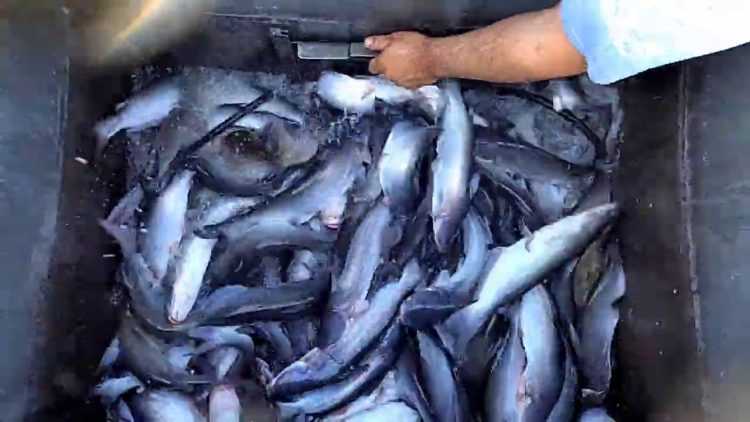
pixel 527 47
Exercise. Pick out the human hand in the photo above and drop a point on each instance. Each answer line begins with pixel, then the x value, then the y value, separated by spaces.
pixel 405 58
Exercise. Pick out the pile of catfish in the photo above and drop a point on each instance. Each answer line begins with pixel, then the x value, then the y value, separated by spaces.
pixel 353 250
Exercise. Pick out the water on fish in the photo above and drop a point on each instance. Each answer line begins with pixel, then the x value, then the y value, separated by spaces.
pixel 347 249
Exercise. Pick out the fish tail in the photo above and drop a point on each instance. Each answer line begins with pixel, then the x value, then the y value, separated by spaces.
pixel 456 331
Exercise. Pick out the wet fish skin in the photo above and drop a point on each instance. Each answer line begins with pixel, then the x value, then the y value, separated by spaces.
pixel 224 405
pixel 501 395
pixel 213 337
pixel 287 301
pixel 166 406
pixel 358 94
pixel 144 109
pixel 374 366
pixel 149 357
pixel 519 267
pixel 399 164
pixel 444 392
pixel 191 265
pixel 369 247
pixel 595 414
pixel 408 385
pixel 166 224
pixel 319 366
pixel 384 393
pixel 325 194
pixel 544 372
pixel 392 411
pixel 112 388
pixel 477 238
pixel 596 326
pixel 451 169
pixel 120 222
pixel 564 409
pixel 221 208
pixel 223 360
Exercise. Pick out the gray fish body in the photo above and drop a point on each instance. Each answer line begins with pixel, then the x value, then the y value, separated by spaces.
pixel 304 265
pixel 121 220
pixel 501 401
pixel 320 366
pixel 289 142
pixel 227 169
pixel 178 131
pixel 166 224
pixel 324 195
pixel 224 405
pixel 358 94
pixel 142 110
pixel 477 237
pixel 544 372
pixel 286 301
pixel 222 360
pixel 519 267
pixel 214 337
pixel 596 414
pixel 445 394
pixel 149 357
pixel 190 266
pixel 451 169
pixel 408 385
pixel 111 389
pixel 325 399
pixel 371 244
pixel 392 411
pixel 564 409
pixel 384 393
pixel 596 327
pixel 398 164
pixel 166 406
pixel 222 208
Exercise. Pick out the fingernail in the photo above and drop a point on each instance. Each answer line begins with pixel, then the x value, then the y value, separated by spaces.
pixel 368 42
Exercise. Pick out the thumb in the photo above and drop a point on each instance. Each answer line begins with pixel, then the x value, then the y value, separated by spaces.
pixel 378 42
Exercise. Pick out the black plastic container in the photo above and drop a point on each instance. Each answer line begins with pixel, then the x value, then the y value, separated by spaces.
pixel 57 312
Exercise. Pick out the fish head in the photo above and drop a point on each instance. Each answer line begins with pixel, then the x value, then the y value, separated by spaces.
pixel 444 227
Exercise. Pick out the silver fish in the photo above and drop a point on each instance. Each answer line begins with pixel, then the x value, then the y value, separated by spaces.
pixel 445 394
pixel 121 220
pixel 384 393
pixel 565 407
pixel 596 414
pixel 596 327
pixel 451 169
pixel 358 94
pixel 319 366
pixel 221 208
pixel 166 406
pixel 290 143
pixel 477 237
pixel 223 359
pixel 528 375
pixel 501 395
pixel 142 110
pixel 213 337
pixel 151 358
pixel 374 366
pixel 224 405
pixel 398 164
pixel 392 411
pixel 111 389
pixel 166 224
pixel 190 266
pixel 517 268
pixel 235 169
pixel 371 244
pixel 178 131
pixel 544 371
pixel 408 386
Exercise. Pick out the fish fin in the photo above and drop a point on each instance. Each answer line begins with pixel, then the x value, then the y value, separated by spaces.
pixel 124 236
pixel 456 331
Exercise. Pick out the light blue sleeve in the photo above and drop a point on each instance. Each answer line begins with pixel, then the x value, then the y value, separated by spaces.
pixel 620 38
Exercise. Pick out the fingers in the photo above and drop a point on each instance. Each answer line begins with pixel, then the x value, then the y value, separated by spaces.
pixel 378 42
pixel 376 65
